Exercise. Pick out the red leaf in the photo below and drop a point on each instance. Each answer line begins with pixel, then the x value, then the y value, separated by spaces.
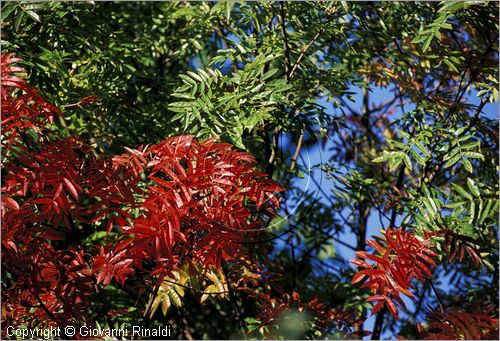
pixel 423 267
pixel 461 252
pixel 402 259
pixel 376 246
pixel 360 263
pixel 377 307
pixel 71 188
pixel 429 260
pixel 45 201
pixel 400 301
pixel 9 202
pixel 405 291
pixel 474 255
pixel 392 308
pixel 89 99
pixel 357 278
pixel 376 298
pixel 170 235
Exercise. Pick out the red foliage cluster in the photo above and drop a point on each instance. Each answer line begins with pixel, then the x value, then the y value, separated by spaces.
pixel 401 257
pixel 42 285
pixel 202 197
pixel 22 109
pixel 180 201
pixel 458 324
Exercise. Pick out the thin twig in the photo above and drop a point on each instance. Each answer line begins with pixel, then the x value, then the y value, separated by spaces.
pixel 44 307
pixel 302 54
pixel 437 296
pixel 297 150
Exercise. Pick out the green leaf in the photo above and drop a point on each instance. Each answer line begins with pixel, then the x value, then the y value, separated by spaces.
pixel 195 76
pixel 407 162
pixel 399 145
pixel 17 23
pixel 473 187
pixel 487 263
pixel 165 304
pixel 430 205
pixel 187 79
pixel 394 163
pixel 462 191
pixel 451 162
pixel 381 158
pixel 34 16
pixel 450 65
pixel 472 212
pixel 7 9
pixel 456 204
pixel 473 155
pixel 421 147
pixel 450 7
pixel 470 145
pixel 417 157
pixel 327 251
pixel 467 165
pixel 404 134
pixel 427 43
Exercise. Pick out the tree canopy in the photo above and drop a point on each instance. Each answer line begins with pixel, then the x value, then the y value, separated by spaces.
pixel 252 169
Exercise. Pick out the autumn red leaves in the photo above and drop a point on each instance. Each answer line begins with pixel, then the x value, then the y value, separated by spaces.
pixel 180 201
pixel 203 200
pixel 400 257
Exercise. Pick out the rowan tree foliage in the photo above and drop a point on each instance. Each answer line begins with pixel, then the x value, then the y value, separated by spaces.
pixel 195 204
pixel 261 169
